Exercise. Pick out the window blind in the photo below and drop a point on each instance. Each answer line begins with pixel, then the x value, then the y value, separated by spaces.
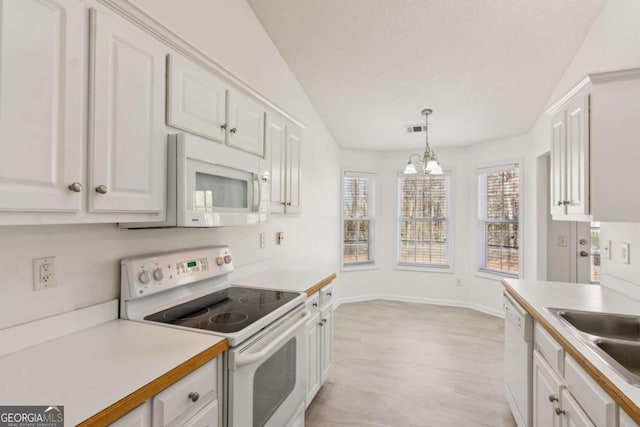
pixel 358 213
pixel 423 220
pixel 498 215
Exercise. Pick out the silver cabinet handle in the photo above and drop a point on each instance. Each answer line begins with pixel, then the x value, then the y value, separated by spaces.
pixel 102 189
pixel 315 304
pixel 223 126
pixel 320 324
pixel 584 253
pixel 324 320
pixel 560 411
pixel 233 130
pixel 552 398
pixel 76 187
pixel 194 396
pixel 329 293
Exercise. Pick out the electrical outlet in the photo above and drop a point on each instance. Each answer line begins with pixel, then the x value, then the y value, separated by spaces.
pixel 44 273
pixel 280 237
pixel 263 240
pixel 606 249
pixel 563 241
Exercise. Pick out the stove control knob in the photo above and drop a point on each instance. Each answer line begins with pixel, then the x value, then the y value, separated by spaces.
pixel 227 259
pixel 158 274
pixel 219 260
pixel 144 277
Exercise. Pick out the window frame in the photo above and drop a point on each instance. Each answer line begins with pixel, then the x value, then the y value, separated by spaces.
pixel 434 268
pixel 481 244
pixel 372 262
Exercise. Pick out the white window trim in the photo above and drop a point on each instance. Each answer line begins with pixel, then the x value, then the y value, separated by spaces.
pixel 450 269
pixel 363 266
pixel 487 168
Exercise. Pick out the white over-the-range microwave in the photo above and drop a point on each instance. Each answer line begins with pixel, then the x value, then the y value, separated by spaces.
pixel 212 185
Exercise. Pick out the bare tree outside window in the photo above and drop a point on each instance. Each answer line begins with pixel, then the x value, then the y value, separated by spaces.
pixel 423 228
pixel 358 191
pixel 499 209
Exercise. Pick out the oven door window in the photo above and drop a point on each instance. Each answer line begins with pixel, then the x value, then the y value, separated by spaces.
pixel 273 382
pixel 217 188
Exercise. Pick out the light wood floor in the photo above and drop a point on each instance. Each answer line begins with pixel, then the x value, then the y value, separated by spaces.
pixel 403 364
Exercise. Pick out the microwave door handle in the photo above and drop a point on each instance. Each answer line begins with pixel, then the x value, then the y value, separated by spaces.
pixel 249 358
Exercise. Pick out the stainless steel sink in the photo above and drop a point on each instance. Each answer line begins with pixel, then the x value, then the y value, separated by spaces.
pixel 616 326
pixel 615 338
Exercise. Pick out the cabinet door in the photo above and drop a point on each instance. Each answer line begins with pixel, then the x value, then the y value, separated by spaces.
pixel 275 142
pixel 558 164
pixel 326 358
pixel 572 413
pixel 128 143
pixel 196 99
pixel 246 124
pixel 577 122
pixel 546 394
pixel 314 327
pixel 139 417
pixel 42 70
pixel 294 170
pixel 207 417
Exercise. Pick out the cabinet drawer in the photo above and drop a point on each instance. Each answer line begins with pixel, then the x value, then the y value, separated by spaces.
pixel 596 403
pixel 326 295
pixel 549 348
pixel 207 417
pixel 139 417
pixel 175 402
pixel 313 303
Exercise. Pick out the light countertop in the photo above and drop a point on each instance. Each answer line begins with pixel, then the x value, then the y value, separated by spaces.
pixel 90 370
pixel 541 295
pixel 288 280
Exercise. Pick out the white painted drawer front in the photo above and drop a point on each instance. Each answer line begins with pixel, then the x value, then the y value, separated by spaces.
pixel 175 401
pixel 549 348
pixel 596 403
pixel 313 303
pixel 207 417
pixel 326 295
pixel 139 417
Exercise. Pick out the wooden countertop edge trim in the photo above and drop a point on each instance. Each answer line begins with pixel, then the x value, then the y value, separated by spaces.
pixel 618 396
pixel 138 397
pixel 321 284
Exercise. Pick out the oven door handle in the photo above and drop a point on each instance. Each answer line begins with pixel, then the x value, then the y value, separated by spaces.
pixel 248 358
pixel 257 193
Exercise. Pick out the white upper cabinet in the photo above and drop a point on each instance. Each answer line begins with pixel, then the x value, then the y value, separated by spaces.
pixel 128 141
pixel 283 154
pixel 42 70
pixel 245 127
pixel 570 160
pixel 196 99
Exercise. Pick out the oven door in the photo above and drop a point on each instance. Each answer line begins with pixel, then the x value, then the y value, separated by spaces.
pixel 267 374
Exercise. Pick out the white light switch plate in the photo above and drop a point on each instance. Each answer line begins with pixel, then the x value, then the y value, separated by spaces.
pixel 606 249
pixel 624 253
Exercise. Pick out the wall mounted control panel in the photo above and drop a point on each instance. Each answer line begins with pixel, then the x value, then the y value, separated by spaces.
pixel 149 274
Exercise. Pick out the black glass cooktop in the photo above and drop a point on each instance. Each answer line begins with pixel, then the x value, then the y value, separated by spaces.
pixel 225 311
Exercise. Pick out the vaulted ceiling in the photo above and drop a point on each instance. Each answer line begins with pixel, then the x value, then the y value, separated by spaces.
pixel 486 67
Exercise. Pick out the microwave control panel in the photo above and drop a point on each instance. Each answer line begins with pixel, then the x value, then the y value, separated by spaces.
pixel 145 275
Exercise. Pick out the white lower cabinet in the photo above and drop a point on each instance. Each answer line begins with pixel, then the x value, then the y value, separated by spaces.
pixel 192 401
pixel 320 340
pixel 563 394
pixel 625 420
pixel 139 417
pixel 572 414
pixel 546 393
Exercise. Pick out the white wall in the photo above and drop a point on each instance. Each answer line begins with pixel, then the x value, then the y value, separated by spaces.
pixel 88 255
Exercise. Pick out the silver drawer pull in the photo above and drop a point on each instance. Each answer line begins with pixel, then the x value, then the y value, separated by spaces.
pixel 194 396
pixel 315 304
pixel 552 398
pixel 102 189
pixel 233 130
pixel 324 320
pixel 560 411
pixel 329 293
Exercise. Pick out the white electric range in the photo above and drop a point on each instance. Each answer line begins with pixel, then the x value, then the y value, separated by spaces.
pixel 266 361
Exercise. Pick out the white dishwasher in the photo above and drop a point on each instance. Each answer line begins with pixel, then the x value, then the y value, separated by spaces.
pixel 518 359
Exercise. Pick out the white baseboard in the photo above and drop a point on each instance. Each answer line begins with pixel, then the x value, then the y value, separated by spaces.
pixel 421 300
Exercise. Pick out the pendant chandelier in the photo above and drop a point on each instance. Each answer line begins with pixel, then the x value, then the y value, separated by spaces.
pixel 427 163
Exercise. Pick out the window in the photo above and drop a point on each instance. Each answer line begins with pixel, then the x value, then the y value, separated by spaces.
pixel 498 214
pixel 595 252
pixel 358 213
pixel 423 220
